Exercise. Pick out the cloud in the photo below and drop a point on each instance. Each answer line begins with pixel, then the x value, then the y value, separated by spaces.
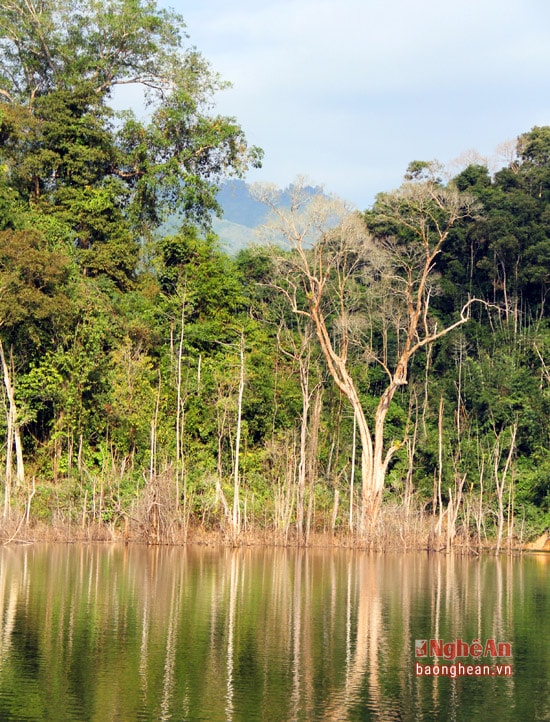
pixel 356 89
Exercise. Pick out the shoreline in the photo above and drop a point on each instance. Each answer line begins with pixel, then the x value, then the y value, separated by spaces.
pixel 11 535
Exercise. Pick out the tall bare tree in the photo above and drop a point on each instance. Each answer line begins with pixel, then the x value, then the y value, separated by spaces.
pixel 365 291
pixel 13 435
pixel 299 349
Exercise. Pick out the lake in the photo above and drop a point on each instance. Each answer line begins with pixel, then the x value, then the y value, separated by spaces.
pixel 92 632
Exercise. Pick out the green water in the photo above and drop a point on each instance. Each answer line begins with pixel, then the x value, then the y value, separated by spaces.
pixel 132 633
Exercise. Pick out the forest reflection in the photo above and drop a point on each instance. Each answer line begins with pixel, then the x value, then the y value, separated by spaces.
pixel 109 633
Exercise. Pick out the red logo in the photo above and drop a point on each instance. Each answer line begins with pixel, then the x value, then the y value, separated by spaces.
pixel 421 648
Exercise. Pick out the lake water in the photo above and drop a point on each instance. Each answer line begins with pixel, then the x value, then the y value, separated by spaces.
pixel 133 633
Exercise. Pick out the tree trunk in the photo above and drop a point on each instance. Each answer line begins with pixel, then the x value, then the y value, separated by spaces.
pixel 352 474
pixel 303 459
pixel 500 479
pixel 236 480
pixel 13 436
pixel 317 280
pixel 180 411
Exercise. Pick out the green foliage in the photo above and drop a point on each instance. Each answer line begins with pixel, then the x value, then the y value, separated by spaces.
pixel 109 183
pixel 201 285
pixel 123 342
pixel 130 405
pixel 504 257
pixel 35 288
pixel 47 46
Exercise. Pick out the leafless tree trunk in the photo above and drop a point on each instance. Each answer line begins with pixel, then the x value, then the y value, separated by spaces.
pixel 301 354
pixel 302 464
pixel 283 455
pixel 226 411
pixel 222 422
pixel 13 434
pixel 180 411
pixel 500 478
pixel 438 485
pixel 352 475
pixel 411 443
pixel 330 250
pixel 153 437
pixel 236 470
pixel 312 453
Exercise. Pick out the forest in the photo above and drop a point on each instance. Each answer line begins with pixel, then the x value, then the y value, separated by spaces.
pixel 376 378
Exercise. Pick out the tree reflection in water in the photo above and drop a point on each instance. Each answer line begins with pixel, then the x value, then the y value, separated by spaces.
pixel 110 633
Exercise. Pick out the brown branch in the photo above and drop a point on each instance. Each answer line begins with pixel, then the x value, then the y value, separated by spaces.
pixel 159 84
pixel 464 317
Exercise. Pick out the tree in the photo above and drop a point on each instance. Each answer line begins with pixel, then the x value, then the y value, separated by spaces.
pixel 48 46
pixel 110 178
pixel 60 159
pixel 32 304
pixel 370 292
pixel 505 255
pixel 83 189
pixel 534 151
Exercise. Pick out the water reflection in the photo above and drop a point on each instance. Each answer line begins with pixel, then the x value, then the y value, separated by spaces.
pixel 132 633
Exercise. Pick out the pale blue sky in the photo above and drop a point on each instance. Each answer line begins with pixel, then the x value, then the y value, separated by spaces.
pixel 348 92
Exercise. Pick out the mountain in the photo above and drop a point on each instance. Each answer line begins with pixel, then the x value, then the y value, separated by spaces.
pixel 242 215
pixel 239 206
pixel 233 236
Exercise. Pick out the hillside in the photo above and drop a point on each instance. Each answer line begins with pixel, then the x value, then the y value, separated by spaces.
pixel 239 206
pixel 233 236
pixel 243 214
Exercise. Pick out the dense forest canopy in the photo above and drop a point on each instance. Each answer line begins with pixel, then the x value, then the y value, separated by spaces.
pixel 150 379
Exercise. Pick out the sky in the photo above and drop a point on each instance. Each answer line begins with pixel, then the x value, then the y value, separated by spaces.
pixel 349 92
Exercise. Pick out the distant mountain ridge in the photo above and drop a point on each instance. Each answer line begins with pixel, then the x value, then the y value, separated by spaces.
pixel 239 205
pixel 242 215
pixel 233 237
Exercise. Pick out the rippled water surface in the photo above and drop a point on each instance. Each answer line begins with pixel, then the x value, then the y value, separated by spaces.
pixel 133 633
